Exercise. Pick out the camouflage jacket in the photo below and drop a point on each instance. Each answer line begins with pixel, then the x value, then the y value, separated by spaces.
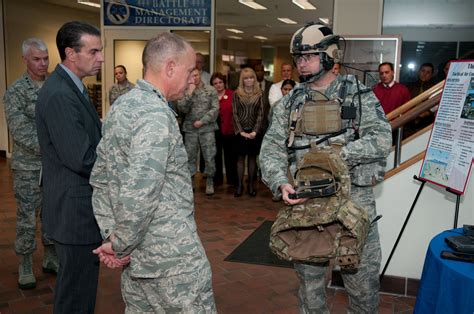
pixel 365 156
pixel 116 91
pixel 20 102
pixel 203 105
pixel 142 187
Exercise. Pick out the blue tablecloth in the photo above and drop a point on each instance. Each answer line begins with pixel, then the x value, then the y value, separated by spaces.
pixel 446 286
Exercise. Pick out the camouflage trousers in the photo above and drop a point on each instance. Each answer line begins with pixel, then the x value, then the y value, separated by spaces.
pixel 207 142
pixel 28 198
pixel 187 293
pixel 362 285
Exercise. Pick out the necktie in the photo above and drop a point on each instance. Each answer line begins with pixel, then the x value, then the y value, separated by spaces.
pixel 85 92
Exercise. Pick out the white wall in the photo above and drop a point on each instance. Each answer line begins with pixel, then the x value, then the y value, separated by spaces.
pixel 410 149
pixel 361 17
pixel 429 20
pixel 431 33
pixel 433 213
pixel 456 13
pixel 30 18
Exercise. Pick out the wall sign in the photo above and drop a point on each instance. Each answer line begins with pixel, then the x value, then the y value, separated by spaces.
pixel 157 12
pixel 449 155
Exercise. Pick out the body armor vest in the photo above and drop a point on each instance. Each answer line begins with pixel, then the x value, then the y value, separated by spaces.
pixel 329 226
pixel 324 227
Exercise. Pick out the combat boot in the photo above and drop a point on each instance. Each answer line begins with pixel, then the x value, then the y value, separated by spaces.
pixel 209 186
pixel 50 260
pixel 26 278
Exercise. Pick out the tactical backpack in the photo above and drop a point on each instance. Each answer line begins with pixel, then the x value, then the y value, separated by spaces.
pixel 329 226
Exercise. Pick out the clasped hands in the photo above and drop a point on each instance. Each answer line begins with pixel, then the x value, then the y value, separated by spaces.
pixel 108 256
pixel 249 136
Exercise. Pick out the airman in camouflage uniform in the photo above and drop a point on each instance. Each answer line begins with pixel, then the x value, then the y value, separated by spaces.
pixel 122 86
pixel 20 101
pixel 364 149
pixel 143 199
pixel 201 106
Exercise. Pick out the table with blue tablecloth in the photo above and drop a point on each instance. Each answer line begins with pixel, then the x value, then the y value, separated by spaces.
pixel 446 286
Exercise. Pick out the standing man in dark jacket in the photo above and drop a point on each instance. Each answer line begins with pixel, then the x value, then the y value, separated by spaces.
pixel 265 86
pixel 68 131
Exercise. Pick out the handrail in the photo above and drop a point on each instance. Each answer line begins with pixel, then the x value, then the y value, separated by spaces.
pixel 433 91
pixel 415 112
pixel 404 165
pixel 409 112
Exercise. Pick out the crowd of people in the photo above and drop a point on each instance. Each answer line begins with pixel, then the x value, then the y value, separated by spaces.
pixel 229 125
pixel 121 191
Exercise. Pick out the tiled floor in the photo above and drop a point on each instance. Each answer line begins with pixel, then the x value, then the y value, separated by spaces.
pixel 223 222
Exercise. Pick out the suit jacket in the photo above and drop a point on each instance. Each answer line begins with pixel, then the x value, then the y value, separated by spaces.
pixel 69 130
pixel 266 105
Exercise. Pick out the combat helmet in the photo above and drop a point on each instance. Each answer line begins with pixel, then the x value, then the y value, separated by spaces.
pixel 316 39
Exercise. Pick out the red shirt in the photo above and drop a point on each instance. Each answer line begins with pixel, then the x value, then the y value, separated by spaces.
pixel 225 113
pixel 392 97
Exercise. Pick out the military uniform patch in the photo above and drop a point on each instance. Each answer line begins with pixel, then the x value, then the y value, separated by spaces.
pixel 380 112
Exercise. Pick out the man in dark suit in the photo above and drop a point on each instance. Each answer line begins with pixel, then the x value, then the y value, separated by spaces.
pixel 265 87
pixel 69 130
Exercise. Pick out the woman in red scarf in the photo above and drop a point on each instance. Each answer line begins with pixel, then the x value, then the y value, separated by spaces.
pixel 225 137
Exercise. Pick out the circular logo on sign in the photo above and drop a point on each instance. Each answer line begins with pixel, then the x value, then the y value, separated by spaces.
pixel 118 11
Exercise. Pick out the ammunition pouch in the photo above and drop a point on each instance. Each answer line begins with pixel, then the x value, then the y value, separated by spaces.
pixel 319 117
pixel 321 173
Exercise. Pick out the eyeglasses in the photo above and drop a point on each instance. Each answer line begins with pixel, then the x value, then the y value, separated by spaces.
pixel 306 57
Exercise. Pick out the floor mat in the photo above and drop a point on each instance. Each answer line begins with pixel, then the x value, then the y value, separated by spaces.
pixel 255 250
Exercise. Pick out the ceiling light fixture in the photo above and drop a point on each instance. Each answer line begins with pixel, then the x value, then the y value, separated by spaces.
pixel 89 3
pixel 304 4
pixel 234 30
pixel 324 20
pixel 252 4
pixel 260 37
pixel 235 37
pixel 286 20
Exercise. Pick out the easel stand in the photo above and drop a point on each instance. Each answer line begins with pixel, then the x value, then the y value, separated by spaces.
pixel 456 213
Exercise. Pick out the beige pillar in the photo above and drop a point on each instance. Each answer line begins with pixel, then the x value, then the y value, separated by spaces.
pixel 358 17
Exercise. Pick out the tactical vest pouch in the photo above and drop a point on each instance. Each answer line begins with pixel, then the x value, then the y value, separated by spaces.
pixel 321 173
pixel 320 117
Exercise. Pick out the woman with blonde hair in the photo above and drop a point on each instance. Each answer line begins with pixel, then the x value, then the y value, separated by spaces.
pixel 247 108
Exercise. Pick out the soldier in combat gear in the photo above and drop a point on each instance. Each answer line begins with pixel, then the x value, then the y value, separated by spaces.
pixel 20 101
pixel 363 139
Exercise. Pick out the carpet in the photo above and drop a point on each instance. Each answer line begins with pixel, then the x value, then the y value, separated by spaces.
pixel 255 249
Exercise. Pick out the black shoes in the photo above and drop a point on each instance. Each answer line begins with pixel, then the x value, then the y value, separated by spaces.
pixel 238 191
pixel 252 191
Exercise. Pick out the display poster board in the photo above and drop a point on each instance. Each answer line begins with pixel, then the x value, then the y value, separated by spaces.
pixel 449 154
